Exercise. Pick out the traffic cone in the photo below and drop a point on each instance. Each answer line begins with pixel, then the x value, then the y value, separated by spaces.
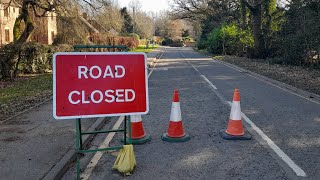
pixel 235 129
pixel 138 136
pixel 175 131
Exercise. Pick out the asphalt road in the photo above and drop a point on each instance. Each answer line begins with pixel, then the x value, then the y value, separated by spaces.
pixel 285 127
pixel 33 142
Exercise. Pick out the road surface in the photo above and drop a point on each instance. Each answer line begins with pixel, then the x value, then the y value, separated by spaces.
pixel 283 124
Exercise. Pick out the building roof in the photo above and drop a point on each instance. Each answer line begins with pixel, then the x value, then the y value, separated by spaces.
pixel 10 2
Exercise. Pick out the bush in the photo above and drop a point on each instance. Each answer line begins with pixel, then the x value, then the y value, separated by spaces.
pixel 202 44
pixel 29 57
pixel 228 39
pixel 176 43
pixel 173 43
pixel 167 42
pixel 214 41
pixel 130 42
pixel 134 35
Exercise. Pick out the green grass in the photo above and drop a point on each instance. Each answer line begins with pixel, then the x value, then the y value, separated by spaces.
pixel 218 57
pixel 26 87
pixel 142 48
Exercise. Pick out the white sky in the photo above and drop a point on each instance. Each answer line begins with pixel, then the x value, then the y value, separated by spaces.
pixel 149 5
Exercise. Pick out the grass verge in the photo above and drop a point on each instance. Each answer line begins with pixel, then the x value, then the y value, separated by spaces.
pixel 24 92
pixel 142 48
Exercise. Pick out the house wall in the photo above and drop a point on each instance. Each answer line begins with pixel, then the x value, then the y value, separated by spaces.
pixel 7 23
pixel 46 28
pixel 52 27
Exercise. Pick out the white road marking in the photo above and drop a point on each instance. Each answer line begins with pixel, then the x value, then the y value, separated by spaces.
pixel 94 161
pixel 155 65
pixel 271 84
pixel 228 65
pixel 193 66
pixel 285 90
pixel 274 147
pixel 184 57
pixel 207 80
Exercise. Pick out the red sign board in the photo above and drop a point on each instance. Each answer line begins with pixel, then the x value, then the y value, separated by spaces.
pixel 89 84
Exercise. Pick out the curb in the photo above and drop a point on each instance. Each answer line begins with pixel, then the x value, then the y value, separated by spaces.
pixel 305 94
pixel 61 167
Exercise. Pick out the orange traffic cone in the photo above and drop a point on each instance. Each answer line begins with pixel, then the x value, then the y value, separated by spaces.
pixel 138 136
pixel 235 129
pixel 175 131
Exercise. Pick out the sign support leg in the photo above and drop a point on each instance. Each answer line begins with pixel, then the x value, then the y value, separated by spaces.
pixel 130 135
pixel 78 146
pixel 125 130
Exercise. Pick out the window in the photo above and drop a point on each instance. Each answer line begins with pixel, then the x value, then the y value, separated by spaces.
pixel 52 35
pixel 14 10
pixel 6 12
pixel 52 16
pixel 7 35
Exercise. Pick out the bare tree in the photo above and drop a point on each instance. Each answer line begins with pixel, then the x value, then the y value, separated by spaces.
pixel 110 17
pixel 144 25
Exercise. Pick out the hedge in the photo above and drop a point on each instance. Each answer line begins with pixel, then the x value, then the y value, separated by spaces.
pixel 130 42
pixel 29 57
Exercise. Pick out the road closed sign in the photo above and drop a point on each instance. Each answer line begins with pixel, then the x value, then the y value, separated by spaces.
pixel 88 84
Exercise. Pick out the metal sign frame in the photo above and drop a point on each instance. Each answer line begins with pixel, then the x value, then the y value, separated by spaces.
pixel 80 133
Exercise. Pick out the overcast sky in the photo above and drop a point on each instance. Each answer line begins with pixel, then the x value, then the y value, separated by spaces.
pixel 149 5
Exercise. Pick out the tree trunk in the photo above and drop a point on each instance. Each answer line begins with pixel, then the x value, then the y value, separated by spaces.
pixel 256 15
pixel 267 29
pixel 243 15
pixel 29 27
pixel 15 72
pixel 257 31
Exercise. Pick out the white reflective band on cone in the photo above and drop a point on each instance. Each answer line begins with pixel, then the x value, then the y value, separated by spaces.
pixel 175 112
pixel 235 111
pixel 135 118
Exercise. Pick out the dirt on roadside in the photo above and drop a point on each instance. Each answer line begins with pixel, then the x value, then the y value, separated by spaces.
pixel 23 102
pixel 17 106
pixel 307 79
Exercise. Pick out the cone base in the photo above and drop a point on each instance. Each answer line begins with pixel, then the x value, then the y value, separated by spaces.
pixel 226 136
pixel 143 140
pixel 165 137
